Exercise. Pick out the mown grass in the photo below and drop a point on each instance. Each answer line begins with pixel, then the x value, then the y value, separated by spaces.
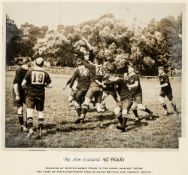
pixel 161 132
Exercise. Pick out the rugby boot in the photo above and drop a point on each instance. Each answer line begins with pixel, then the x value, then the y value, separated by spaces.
pixel 123 125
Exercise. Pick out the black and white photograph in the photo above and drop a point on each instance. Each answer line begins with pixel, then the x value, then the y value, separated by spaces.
pixel 93 75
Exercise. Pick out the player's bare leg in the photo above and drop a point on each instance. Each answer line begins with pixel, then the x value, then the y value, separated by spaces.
pixel 85 108
pixel 21 119
pixel 41 122
pixel 163 104
pixel 30 122
pixel 174 106
pixel 124 121
pixel 118 114
pixel 135 112
pixel 78 111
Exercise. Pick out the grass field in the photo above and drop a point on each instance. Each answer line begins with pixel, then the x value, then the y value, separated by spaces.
pixel 161 132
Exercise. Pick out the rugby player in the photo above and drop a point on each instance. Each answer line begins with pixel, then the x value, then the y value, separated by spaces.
pixel 19 92
pixel 124 105
pixel 35 81
pixel 96 87
pixel 165 90
pixel 136 91
pixel 83 81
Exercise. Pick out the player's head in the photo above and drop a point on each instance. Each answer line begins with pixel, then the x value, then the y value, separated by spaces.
pixel 161 70
pixel 26 61
pixel 39 62
pixel 81 46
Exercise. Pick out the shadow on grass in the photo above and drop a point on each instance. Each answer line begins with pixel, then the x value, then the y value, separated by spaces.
pixel 99 121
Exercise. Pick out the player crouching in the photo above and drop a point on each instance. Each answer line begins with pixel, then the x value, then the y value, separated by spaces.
pixel 35 81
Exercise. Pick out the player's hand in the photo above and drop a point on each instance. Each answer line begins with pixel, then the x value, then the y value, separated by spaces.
pixel 48 86
pixel 17 99
pixel 103 85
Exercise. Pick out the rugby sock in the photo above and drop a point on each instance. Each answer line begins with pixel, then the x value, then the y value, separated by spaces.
pixel 30 122
pixel 135 112
pixel 84 109
pixel 41 123
pixel 148 111
pixel 78 110
pixel 123 125
pixel 26 120
pixel 174 107
pixel 119 117
pixel 165 107
pixel 20 118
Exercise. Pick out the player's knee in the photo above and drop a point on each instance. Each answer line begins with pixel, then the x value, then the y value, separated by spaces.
pixel 76 104
pixel 117 110
pixel 20 110
pixel 161 100
pixel 134 106
pixel 99 107
pixel 85 106
pixel 141 107
pixel 104 95
pixel 70 99
pixel 87 101
pixel 124 112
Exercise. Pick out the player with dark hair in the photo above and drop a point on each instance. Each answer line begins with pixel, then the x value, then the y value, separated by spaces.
pixel 136 91
pixel 166 90
pixel 35 81
pixel 18 91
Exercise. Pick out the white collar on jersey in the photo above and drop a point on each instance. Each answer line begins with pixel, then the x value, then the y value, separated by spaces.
pixel 38 68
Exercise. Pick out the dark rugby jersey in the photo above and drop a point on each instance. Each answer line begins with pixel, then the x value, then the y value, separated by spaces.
pixel 36 82
pixel 83 77
pixel 122 89
pixel 132 79
pixel 96 71
pixel 165 79
pixel 19 76
pixel 110 87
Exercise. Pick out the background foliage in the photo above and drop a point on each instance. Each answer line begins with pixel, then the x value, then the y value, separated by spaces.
pixel 114 42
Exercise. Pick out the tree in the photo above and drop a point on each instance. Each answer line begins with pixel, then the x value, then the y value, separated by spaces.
pixel 13 37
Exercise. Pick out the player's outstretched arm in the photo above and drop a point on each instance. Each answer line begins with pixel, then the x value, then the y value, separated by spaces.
pixel 162 85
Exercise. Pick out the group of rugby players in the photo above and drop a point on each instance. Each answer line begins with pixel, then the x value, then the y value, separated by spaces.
pixel 93 82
